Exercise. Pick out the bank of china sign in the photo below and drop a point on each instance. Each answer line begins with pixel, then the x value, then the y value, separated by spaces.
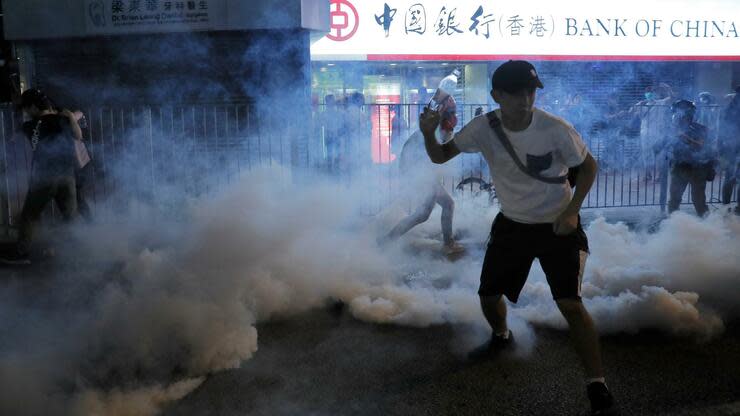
pixel 545 29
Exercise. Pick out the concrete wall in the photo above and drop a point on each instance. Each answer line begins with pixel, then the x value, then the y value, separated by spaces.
pixel 176 67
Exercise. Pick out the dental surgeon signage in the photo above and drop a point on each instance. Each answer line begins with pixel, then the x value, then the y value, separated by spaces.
pixel 535 29
pixel 50 19
pixel 130 16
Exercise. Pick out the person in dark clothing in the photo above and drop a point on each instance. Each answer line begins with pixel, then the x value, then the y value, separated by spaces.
pixel 729 149
pixel 52 171
pixel 690 156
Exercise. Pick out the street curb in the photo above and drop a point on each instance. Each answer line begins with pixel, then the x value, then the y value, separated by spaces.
pixel 730 409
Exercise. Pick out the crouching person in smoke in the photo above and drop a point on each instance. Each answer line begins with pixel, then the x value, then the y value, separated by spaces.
pixel 51 135
pixel 539 215
pixel 423 180
pixel 690 155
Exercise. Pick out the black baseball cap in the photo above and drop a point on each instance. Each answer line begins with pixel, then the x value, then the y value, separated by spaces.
pixel 513 76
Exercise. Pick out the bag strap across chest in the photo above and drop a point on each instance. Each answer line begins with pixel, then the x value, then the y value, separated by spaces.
pixel 495 124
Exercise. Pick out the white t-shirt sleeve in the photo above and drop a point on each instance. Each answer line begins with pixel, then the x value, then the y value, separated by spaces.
pixel 465 139
pixel 571 147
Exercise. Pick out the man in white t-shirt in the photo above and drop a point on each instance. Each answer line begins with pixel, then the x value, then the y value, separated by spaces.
pixel 538 219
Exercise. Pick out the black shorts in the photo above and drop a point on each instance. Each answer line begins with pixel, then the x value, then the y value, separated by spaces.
pixel 512 248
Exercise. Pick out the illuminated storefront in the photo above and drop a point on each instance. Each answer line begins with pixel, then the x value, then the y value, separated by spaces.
pixel 398 50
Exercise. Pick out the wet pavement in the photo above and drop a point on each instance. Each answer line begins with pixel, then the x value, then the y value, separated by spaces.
pixel 328 363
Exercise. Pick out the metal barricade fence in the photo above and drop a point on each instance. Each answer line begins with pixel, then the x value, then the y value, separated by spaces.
pixel 144 155
pixel 164 155
pixel 633 171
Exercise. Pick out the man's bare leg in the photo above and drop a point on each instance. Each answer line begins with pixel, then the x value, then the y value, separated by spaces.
pixel 584 335
pixel 494 309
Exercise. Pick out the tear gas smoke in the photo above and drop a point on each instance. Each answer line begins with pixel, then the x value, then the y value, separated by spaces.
pixel 164 303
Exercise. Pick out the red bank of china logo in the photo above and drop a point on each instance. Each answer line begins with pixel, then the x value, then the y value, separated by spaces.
pixel 343 20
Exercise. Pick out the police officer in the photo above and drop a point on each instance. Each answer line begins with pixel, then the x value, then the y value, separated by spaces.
pixel 690 155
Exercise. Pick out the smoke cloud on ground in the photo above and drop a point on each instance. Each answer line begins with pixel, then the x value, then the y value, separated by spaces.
pixel 149 307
